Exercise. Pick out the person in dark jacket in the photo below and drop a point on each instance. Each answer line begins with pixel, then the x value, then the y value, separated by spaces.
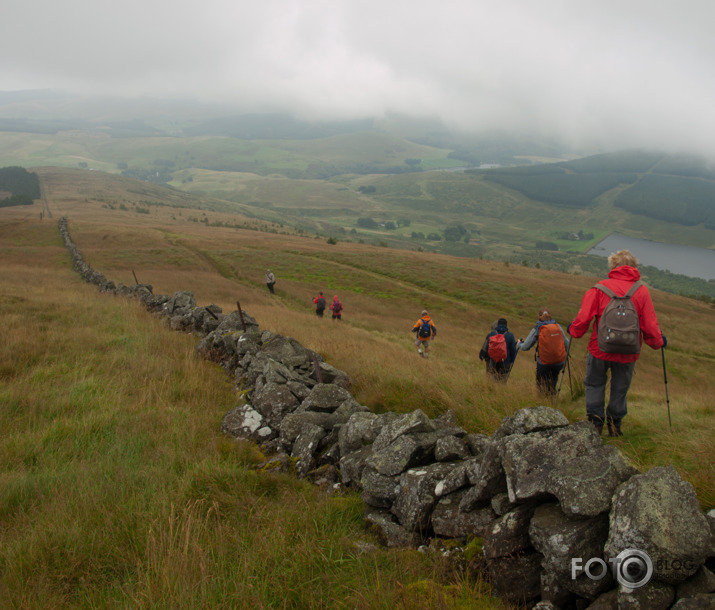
pixel 319 302
pixel 621 277
pixel 497 367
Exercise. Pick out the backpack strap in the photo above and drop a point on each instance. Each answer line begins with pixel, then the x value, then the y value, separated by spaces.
pixel 610 293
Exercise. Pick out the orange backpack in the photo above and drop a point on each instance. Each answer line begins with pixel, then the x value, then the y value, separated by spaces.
pixel 551 346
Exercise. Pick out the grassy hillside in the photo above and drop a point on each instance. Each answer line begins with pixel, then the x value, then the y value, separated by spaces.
pixel 117 488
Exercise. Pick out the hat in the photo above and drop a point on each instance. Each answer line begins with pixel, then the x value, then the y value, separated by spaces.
pixel 424 312
pixel 501 322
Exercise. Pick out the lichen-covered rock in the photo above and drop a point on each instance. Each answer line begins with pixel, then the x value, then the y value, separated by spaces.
pixel 407 423
pixel 652 596
pixel 246 423
pixel 532 419
pixel 509 534
pixel 291 353
pixel 584 485
pixel 658 513
pixel 489 479
pixel 517 579
pixel 391 534
pixel 450 448
pixel 528 459
pixel 450 522
pixel 703 581
pixel 360 430
pixel 378 489
pixel 325 398
pixel 501 504
pixel 478 444
pixel 407 451
pixel 699 602
pixel 293 424
pixel 305 447
pixel 352 465
pixel 274 401
pixel 456 478
pixel 560 540
pixel 415 497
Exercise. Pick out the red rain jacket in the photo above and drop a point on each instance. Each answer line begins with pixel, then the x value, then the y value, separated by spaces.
pixel 594 302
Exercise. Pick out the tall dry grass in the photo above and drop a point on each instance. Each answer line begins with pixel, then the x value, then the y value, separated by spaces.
pixel 118 490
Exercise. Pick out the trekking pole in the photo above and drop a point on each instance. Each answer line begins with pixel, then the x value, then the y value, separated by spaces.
pixel 665 378
pixel 561 380
pixel 512 364
pixel 568 364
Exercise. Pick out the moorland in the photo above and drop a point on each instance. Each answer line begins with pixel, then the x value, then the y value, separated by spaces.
pixel 118 488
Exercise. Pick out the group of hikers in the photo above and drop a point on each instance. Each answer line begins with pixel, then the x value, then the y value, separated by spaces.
pixel 623 316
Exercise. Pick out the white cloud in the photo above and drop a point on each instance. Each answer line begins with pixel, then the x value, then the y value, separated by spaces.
pixel 625 73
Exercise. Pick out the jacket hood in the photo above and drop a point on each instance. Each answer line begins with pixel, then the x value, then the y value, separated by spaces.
pixel 501 329
pixel 625 272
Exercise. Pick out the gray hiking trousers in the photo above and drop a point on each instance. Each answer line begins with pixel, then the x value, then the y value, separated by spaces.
pixel 595 384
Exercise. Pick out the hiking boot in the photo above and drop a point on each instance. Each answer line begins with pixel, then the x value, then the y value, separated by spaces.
pixel 614 427
pixel 419 351
pixel 597 423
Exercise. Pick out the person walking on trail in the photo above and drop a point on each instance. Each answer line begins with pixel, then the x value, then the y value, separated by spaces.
pixel 499 351
pixel 616 338
pixel 337 308
pixel 270 280
pixel 552 346
pixel 319 304
pixel 425 331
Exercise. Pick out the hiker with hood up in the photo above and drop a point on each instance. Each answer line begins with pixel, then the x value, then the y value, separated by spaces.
pixel 337 308
pixel 499 351
pixel 551 350
pixel 425 332
pixel 611 348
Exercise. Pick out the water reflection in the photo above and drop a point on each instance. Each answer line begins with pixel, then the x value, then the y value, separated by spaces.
pixel 685 260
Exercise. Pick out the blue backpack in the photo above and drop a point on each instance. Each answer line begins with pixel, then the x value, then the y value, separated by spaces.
pixel 425 330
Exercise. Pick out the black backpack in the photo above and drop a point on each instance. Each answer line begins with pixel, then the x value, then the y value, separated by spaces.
pixel 619 329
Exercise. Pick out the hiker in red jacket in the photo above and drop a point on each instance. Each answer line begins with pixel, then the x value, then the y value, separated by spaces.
pixel 622 277
pixel 337 308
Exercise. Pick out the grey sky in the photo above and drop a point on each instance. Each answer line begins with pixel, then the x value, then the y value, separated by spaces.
pixel 612 72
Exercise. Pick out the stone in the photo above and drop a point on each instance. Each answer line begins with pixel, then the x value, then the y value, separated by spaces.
pixel 450 448
pixel 407 423
pixel 658 513
pixel 561 539
pixel 699 602
pixel 242 422
pixel 478 444
pixel 501 504
pixel 380 490
pixel 489 479
pixel 415 497
pixel 390 533
pixel 360 430
pixel 703 581
pixel 274 401
pixel 517 579
pixel 532 419
pixel 407 451
pixel 305 447
pixel 651 596
pixel 456 478
pixel 293 425
pixel 325 398
pixel 528 459
pixel 352 465
pixel 509 534
pixel 450 522
pixel 584 485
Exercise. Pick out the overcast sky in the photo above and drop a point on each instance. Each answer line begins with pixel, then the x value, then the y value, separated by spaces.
pixel 613 72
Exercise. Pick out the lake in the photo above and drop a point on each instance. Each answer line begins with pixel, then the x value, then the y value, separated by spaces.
pixel 685 260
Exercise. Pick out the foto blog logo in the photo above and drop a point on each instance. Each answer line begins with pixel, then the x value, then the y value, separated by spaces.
pixel 631 568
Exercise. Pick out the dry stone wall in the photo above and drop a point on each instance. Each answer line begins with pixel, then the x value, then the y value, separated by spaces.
pixel 552 506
